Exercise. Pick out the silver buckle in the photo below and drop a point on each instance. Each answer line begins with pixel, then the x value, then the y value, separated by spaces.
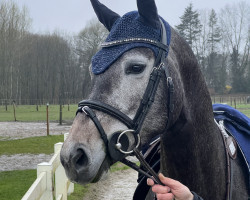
pixel 83 110
pixel 168 80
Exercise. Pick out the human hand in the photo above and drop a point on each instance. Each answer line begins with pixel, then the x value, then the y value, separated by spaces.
pixel 172 190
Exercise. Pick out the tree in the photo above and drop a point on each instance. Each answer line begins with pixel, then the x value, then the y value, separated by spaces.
pixel 88 43
pixel 202 48
pixel 214 32
pixel 190 26
pixel 248 64
pixel 238 80
pixel 235 30
pixel 215 71
pixel 14 23
pixel 41 68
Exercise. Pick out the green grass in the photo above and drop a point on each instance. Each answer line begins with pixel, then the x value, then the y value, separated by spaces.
pixel 33 145
pixel 245 111
pixel 79 192
pixel 244 108
pixel 14 184
pixel 29 113
pixel 118 166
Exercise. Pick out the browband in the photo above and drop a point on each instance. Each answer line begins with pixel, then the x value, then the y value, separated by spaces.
pixel 160 45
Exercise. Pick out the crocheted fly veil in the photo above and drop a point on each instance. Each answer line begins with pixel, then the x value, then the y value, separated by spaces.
pixel 142 24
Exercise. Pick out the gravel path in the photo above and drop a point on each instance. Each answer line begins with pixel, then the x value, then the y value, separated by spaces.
pixel 17 130
pixel 22 161
pixel 118 185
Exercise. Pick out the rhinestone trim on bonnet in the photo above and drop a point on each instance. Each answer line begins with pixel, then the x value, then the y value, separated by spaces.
pixel 118 42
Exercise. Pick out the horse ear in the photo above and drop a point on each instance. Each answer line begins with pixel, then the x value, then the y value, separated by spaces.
pixel 148 11
pixel 106 16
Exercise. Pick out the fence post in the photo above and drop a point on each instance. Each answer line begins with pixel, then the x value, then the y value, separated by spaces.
pixel 47 168
pixel 60 115
pixel 52 182
pixel 61 183
pixel 6 106
pixel 14 109
pixel 234 103
pixel 47 111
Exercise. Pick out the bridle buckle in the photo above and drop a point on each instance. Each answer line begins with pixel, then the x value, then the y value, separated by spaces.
pixel 83 110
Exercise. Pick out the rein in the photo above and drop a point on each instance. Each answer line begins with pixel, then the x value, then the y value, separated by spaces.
pixel 118 145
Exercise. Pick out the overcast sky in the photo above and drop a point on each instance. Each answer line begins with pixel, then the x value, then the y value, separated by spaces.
pixel 71 16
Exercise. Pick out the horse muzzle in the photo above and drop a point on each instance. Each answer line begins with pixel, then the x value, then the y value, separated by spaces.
pixel 78 164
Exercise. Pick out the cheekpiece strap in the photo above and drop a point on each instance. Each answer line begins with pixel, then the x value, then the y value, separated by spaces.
pixel 91 114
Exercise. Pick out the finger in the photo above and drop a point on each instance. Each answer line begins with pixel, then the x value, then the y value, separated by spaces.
pixel 167 196
pixel 173 184
pixel 160 189
pixel 150 182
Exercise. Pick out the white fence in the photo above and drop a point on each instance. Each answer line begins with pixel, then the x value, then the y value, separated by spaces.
pixel 51 182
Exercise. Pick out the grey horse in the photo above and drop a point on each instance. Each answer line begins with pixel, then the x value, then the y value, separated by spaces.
pixel 192 149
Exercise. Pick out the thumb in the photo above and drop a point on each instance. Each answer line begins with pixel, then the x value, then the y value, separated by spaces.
pixel 173 184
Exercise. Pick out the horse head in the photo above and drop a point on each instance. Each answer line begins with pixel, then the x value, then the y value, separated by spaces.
pixel 120 74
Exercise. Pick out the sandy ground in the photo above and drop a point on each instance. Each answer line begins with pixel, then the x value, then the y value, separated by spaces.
pixel 17 130
pixel 119 185
pixel 22 161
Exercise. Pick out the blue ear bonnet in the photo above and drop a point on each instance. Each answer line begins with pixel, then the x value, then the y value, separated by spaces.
pixel 131 25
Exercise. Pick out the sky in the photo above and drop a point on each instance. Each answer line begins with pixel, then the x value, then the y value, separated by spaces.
pixel 71 16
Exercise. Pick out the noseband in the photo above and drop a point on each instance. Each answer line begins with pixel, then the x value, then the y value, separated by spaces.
pixel 117 146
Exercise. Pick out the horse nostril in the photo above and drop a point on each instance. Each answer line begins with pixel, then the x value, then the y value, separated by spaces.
pixel 80 159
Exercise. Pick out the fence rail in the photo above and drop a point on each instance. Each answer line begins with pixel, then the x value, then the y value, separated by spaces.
pixel 52 182
pixel 232 100
pixel 4 102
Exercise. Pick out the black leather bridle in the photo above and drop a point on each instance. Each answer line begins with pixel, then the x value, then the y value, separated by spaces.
pixel 117 146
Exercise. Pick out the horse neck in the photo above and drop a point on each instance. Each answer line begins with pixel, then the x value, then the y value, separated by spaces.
pixel 195 153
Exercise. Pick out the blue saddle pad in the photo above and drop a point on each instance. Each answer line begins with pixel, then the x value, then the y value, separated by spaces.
pixel 237 124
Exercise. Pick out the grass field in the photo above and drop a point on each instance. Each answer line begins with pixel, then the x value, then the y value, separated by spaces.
pixel 244 108
pixel 29 113
pixel 33 145
pixel 14 184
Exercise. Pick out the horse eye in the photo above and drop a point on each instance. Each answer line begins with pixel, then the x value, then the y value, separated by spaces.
pixel 135 69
